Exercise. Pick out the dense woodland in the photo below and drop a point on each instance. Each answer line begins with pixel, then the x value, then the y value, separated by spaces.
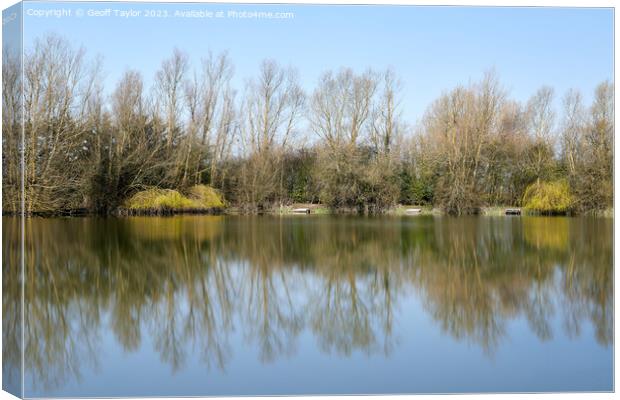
pixel 270 143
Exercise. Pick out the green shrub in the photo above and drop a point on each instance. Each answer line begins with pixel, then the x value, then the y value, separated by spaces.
pixel 200 197
pixel 158 199
pixel 204 196
pixel 548 197
pixel 172 200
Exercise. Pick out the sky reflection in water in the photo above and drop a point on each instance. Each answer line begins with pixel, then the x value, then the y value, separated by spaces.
pixel 204 305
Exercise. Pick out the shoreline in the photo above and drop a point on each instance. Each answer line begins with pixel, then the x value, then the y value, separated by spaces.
pixel 314 209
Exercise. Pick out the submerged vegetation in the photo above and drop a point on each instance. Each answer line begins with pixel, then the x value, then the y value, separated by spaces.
pixel 270 144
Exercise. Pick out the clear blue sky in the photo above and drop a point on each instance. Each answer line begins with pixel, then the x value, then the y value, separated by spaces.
pixel 431 48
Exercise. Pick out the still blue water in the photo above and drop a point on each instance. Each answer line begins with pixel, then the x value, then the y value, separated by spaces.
pixel 205 305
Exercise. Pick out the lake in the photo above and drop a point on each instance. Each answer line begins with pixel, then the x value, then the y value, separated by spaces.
pixel 266 305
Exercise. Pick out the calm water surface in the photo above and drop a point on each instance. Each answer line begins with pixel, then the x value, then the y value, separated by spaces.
pixel 205 305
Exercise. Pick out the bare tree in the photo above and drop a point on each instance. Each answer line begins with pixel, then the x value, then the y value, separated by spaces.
pixel 461 125
pixel 128 153
pixel 572 129
pixel 272 107
pixel 541 118
pixel 593 181
pixel 169 80
pixel 218 111
pixel 341 111
pixel 341 106
pixel 11 131
pixel 385 124
pixel 58 83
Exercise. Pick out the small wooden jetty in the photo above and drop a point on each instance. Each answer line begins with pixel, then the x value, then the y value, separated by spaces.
pixel 413 211
pixel 301 210
pixel 513 211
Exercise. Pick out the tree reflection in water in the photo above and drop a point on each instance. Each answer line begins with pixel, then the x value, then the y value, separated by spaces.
pixel 186 282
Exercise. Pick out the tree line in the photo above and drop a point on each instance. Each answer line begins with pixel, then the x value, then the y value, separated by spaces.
pixel 270 143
